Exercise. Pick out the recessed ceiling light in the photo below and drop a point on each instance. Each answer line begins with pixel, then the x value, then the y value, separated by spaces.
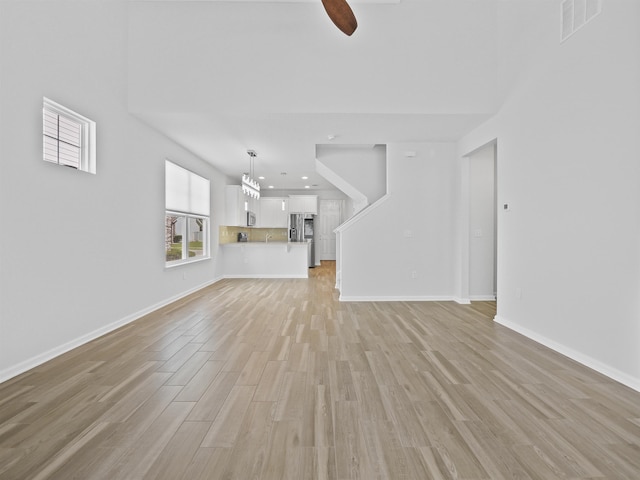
pixel 305 177
pixel 270 186
pixel 331 136
pixel 307 186
pixel 260 178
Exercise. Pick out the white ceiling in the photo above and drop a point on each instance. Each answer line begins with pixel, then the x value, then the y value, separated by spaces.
pixel 277 77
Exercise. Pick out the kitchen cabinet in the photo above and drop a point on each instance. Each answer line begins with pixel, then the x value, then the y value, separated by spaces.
pixel 253 205
pixel 234 206
pixel 274 212
pixel 237 205
pixel 265 260
pixel 303 204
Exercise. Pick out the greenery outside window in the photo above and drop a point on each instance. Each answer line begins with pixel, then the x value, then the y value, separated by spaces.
pixel 186 237
pixel 186 217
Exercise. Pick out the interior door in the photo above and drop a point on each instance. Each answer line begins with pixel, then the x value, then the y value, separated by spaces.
pixel 329 218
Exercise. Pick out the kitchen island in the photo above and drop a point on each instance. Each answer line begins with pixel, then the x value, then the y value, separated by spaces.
pixel 265 259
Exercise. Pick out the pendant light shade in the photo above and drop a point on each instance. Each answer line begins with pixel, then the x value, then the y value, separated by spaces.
pixel 250 187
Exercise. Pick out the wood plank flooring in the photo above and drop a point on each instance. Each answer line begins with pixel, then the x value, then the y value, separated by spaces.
pixel 276 379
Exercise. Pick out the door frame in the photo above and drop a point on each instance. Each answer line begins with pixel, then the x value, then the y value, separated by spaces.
pixel 465 223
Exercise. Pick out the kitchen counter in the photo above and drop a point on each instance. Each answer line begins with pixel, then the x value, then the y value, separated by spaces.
pixel 274 259
pixel 274 242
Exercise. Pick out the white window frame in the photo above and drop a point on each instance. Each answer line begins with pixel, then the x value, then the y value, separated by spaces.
pixel 575 14
pixel 192 208
pixel 87 161
pixel 186 239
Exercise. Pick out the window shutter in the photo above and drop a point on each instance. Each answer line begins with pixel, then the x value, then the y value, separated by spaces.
pixel 62 139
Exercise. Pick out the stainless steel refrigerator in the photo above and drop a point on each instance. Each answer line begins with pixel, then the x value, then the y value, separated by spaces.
pixel 302 229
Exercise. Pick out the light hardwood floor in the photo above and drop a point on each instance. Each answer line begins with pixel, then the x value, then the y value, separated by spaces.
pixel 276 379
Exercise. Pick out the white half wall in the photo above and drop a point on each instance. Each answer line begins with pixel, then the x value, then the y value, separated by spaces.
pixel 568 146
pixel 80 254
pixel 401 247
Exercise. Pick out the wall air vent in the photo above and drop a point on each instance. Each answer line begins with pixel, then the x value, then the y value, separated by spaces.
pixel 575 14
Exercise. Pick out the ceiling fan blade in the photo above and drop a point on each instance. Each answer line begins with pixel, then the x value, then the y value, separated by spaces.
pixel 341 15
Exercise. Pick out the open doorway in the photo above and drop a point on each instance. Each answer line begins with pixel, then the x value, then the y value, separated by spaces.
pixel 483 223
pixel 328 220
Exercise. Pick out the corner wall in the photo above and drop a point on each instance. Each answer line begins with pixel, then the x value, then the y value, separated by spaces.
pixel 568 146
pixel 348 162
pixel 80 254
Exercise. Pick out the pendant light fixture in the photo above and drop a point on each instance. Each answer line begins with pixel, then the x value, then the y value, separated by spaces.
pixel 250 187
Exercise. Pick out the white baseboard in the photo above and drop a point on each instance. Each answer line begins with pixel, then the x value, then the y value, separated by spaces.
pixel 579 357
pixel 257 275
pixel 345 298
pixel 37 360
pixel 482 298
pixel 462 301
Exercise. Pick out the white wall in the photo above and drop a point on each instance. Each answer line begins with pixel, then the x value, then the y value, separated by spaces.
pixel 80 253
pixel 221 81
pixel 568 143
pixel 482 224
pixel 350 163
pixel 401 247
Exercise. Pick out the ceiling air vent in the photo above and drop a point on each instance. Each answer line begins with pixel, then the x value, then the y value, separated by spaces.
pixel 575 14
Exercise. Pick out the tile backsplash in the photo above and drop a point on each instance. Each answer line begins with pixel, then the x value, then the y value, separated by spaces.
pixel 229 234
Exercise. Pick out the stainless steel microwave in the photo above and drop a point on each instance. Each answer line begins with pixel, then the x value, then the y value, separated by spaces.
pixel 251 219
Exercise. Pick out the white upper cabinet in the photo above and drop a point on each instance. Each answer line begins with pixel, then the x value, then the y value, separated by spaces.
pixel 237 206
pixel 274 212
pixel 303 204
pixel 235 212
pixel 296 204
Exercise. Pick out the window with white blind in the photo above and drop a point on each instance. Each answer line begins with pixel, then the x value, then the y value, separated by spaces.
pixel 187 209
pixel 68 138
